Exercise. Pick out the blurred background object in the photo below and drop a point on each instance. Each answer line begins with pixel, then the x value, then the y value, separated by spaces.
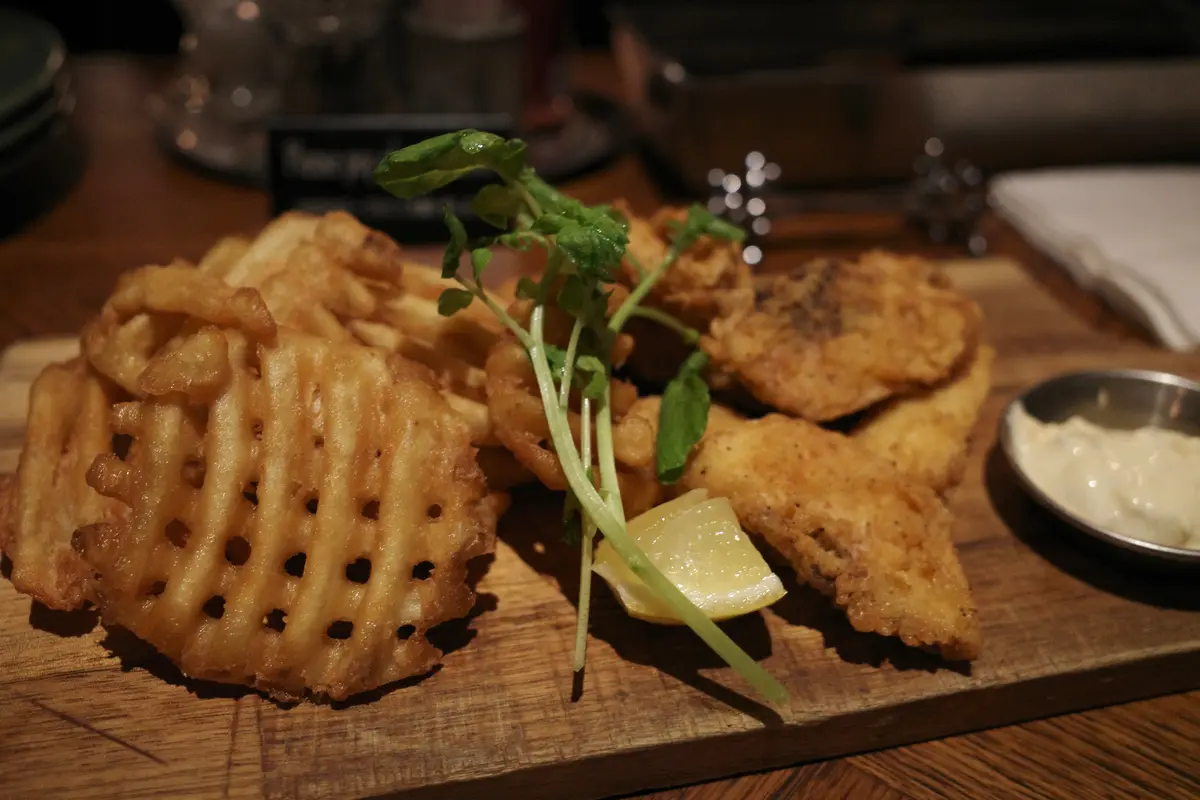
pixel 844 96
pixel 229 82
pixel 41 156
pixel 848 91
pixel 465 56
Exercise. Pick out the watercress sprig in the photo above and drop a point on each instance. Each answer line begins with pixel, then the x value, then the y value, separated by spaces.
pixel 585 246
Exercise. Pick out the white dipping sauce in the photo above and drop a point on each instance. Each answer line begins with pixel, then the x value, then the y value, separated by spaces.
pixel 1141 483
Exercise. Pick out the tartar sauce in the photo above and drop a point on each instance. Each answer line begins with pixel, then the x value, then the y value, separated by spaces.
pixel 1141 483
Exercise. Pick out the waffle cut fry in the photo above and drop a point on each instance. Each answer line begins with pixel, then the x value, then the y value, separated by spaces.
pixel 311 273
pixel 334 277
pixel 153 305
pixel 298 528
pixel 48 499
pixel 454 348
pixel 317 274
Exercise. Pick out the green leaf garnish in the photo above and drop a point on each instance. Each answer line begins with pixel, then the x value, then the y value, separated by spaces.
pixel 572 297
pixel 557 357
pixel 480 257
pixel 521 240
pixel 592 238
pixel 585 246
pixel 528 288
pixel 572 518
pixel 497 204
pixel 457 246
pixel 451 301
pixel 597 376
pixel 594 247
pixel 550 223
pixel 702 222
pixel 422 167
pixel 682 417
pixel 583 300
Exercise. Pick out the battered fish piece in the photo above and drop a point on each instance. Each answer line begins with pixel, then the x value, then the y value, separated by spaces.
pixel 692 288
pixel 720 418
pixel 851 525
pixel 834 337
pixel 927 436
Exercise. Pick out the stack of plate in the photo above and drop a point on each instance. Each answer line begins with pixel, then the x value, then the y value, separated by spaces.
pixel 41 154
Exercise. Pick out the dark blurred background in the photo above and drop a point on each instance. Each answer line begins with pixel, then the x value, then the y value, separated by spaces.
pixel 154 26
pixel 838 94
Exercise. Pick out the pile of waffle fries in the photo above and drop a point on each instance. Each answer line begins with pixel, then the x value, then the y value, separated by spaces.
pixel 265 464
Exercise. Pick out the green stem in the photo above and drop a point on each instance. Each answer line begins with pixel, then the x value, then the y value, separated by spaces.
pixel 641 290
pixel 477 290
pixel 560 430
pixel 690 335
pixel 535 208
pixel 613 528
pixel 587 545
pixel 564 389
pixel 638 267
pixel 607 458
pixel 694 618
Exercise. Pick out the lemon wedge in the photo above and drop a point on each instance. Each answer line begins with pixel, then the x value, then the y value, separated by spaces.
pixel 698 544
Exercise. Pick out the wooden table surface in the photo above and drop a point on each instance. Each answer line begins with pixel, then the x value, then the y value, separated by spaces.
pixel 135 206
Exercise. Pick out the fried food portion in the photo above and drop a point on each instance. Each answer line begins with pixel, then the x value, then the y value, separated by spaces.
pixel 49 499
pixel 223 256
pixel 269 251
pixel 720 418
pixel 851 525
pixel 334 277
pixel 519 422
pixel 318 273
pixel 454 348
pixel 329 276
pixel 300 527
pixel 927 435
pixel 151 305
pixel 692 289
pixel 834 337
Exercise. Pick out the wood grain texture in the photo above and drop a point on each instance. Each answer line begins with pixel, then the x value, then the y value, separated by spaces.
pixel 1064 630
pixel 81 719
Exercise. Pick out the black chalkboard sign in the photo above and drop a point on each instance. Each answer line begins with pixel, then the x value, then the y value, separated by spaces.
pixel 324 163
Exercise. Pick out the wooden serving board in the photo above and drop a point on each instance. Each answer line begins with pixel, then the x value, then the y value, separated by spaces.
pixel 90 713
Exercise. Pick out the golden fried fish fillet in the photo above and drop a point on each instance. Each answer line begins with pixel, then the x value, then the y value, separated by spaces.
pixel 720 418
pixel 833 337
pixel 299 527
pixel 691 288
pixel 851 525
pixel 49 498
pixel 927 435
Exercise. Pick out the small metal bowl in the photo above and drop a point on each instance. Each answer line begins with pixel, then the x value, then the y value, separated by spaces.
pixel 1119 399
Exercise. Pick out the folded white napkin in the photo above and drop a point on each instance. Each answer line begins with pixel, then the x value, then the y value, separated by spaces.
pixel 1132 234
